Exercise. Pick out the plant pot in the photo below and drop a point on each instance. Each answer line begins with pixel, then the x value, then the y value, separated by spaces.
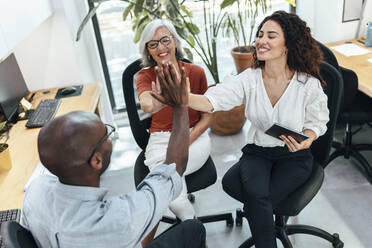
pixel 228 122
pixel 5 161
pixel 243 57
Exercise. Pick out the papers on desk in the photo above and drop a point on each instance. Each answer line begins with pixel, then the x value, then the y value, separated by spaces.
pixel 369 60
pixel 350 49
pixel 38 171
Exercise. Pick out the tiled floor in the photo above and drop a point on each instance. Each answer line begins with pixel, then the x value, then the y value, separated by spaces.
pixel 343 205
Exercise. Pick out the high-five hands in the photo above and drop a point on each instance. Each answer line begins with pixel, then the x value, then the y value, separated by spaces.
pixel 169 88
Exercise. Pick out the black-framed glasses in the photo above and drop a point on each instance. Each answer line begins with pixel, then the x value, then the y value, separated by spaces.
pixel 166 40
pixel 109 130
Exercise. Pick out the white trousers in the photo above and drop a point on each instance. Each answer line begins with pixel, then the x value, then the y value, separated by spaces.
pixel 199 152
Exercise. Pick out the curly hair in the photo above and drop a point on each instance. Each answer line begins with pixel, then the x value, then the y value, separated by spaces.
pixel 303 55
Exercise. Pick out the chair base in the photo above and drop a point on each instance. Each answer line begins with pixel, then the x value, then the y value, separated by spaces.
pixel 354 151
pixel 347 149
pixel 204 219
pixel 283 230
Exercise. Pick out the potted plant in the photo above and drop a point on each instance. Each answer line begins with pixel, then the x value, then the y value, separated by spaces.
pixel 204 42
pixel 235 25
pixel 230 122
pixel 223 122
pixel 5 162
pixel 143 12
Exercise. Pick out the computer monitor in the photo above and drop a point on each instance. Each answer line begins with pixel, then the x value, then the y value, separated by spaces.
pixel 12 87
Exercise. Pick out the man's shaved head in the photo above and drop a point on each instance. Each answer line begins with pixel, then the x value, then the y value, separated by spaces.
pixel 66 142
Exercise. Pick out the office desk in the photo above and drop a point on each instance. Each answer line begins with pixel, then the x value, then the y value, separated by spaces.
pixel 358 64
pixel 23 144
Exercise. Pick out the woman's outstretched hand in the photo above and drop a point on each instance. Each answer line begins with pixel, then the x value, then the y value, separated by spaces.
pixel 169 88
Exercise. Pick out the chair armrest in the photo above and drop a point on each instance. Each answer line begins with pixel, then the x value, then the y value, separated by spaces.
pixel 14 235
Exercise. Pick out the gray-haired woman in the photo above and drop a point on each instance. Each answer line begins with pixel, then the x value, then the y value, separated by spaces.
pixel 161 44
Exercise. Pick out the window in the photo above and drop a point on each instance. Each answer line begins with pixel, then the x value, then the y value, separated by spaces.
pixel 120 51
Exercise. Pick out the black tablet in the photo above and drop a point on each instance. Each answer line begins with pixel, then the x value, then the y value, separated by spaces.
pixel 276 130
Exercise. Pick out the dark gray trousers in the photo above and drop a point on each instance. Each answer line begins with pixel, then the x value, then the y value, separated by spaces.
pixel 264 176
pixel 187 234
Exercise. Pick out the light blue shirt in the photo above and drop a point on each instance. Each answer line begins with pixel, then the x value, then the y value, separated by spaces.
pixel 60 215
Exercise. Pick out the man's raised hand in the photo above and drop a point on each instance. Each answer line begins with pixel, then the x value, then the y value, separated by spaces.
pixel 169 88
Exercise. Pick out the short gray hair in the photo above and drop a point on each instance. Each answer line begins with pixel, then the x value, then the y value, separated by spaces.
pixel 147 35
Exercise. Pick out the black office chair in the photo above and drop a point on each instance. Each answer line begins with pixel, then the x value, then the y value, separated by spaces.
pixel 299 199
pixel 196 181
pixel 15 236
pixel 354 111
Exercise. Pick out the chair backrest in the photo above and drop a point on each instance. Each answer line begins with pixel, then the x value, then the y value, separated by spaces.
pixel 322 146
pixel 328 55
pixel 198 180
pixel 15 236
pixel 350 79
pixel 138 127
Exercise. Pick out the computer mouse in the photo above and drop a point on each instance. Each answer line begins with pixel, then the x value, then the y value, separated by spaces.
pixel 68 91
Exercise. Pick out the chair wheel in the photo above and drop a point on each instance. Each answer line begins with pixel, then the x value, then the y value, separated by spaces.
pixel 239 213
pixel 191 198
pixel 337 243
pixel 238 221
pixel 239 217
pixel 230 222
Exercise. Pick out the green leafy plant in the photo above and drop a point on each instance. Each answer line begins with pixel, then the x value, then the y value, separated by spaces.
pixel 245 11
pixel 203 42
pixel 3 144
pixel 291 2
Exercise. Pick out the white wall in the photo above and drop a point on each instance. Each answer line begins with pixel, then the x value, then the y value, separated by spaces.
pixel 325 19
pixel 46 57
pixel 50 57
pixel 367 17
pixel 4 50
pixel 18 18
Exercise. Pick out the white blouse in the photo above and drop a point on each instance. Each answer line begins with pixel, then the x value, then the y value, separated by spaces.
pixel 303 104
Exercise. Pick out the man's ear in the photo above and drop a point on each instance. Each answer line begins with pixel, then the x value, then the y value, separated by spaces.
pixel 96 161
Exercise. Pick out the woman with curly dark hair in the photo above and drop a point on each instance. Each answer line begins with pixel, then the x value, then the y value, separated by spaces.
pixel 303 54
pixel 284 87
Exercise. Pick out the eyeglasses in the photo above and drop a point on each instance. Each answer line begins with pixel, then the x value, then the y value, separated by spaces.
pixel 166 40
pixel 109 130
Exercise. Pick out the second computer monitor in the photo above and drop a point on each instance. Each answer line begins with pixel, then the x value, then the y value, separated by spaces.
pixel 12 87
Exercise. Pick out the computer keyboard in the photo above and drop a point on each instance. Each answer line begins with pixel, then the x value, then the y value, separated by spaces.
pixel 8 215
pixel 43 113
